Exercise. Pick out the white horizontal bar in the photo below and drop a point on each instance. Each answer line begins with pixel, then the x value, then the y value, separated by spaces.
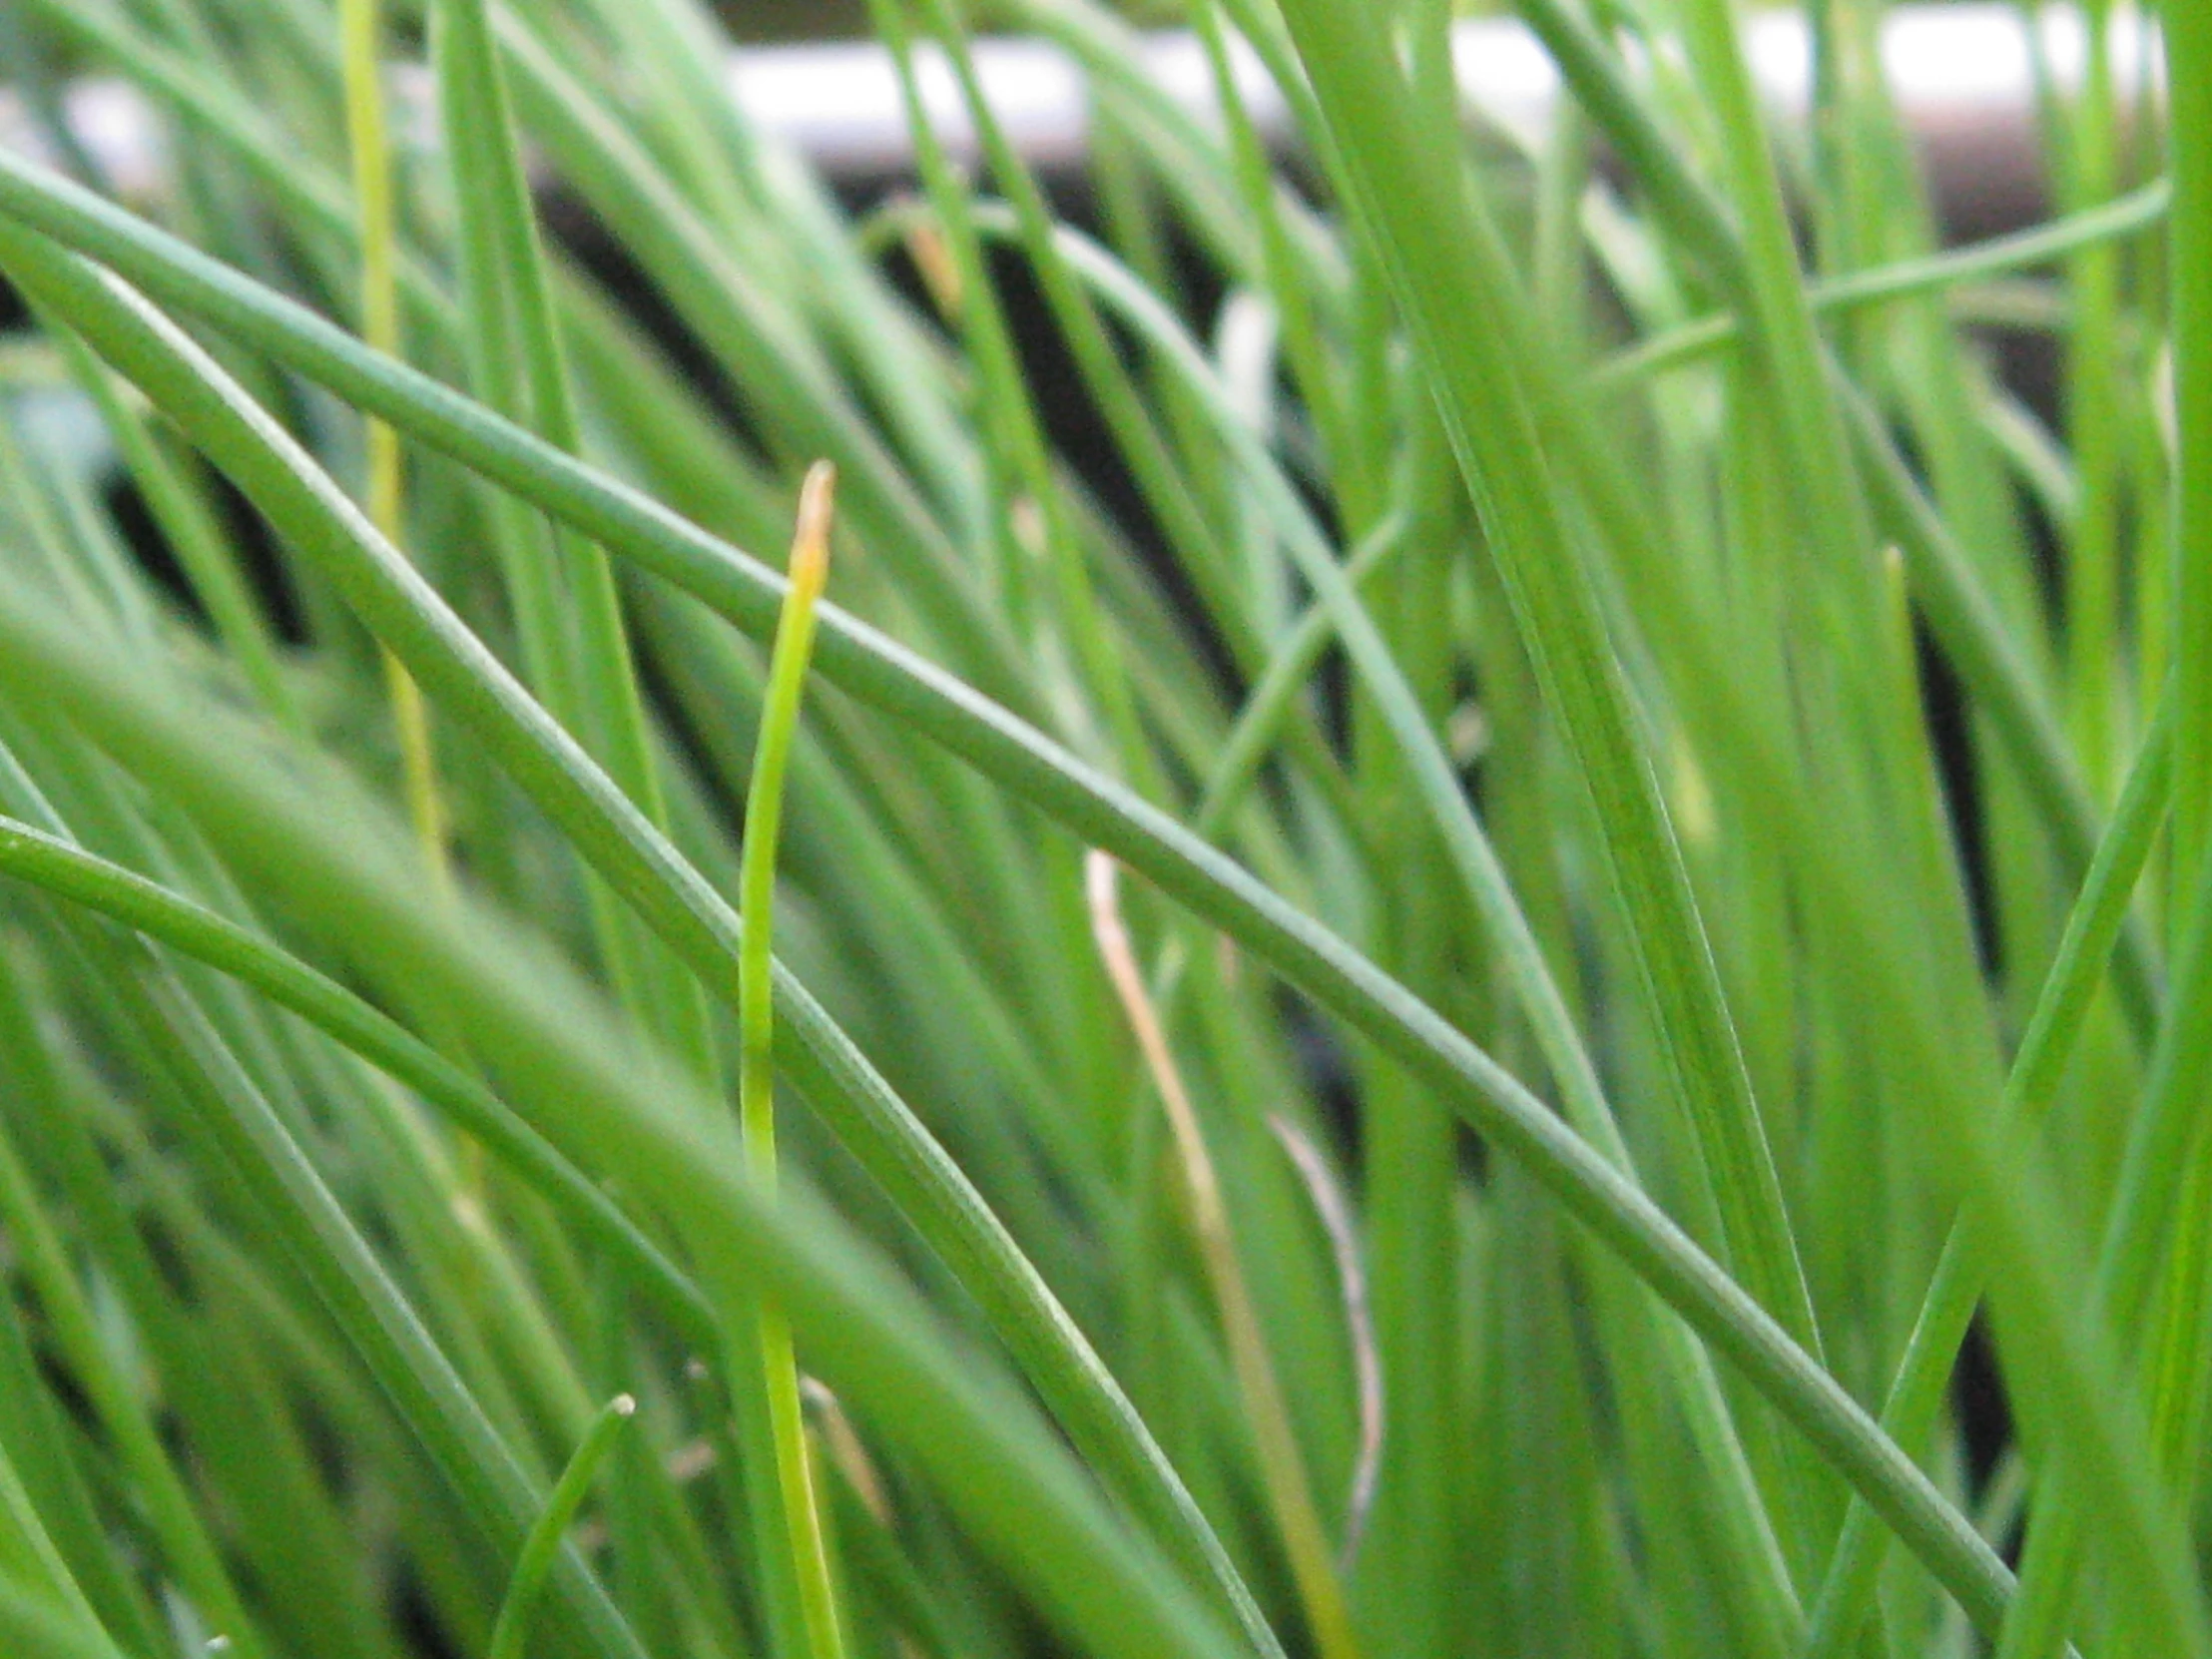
pixel 1963 75
pixel 1949 68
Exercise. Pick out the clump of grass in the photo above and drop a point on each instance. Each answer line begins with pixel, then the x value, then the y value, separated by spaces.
pixel 1662 803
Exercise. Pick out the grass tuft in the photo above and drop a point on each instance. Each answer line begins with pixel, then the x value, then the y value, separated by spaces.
pixel 1493 831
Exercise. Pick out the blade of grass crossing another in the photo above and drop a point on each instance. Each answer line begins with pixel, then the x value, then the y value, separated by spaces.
pixel 946 713
pixel 177 1529
pixel 1029 486
pixel 210 561
pixel 1842 993
pixel 1958 607
pixel 2115 221
pixel 1917 1392
pixel 360 1292
pixel 567 604
pixel 1337 609
pixel 54 866
pixel 2151 1285
pixel 758 339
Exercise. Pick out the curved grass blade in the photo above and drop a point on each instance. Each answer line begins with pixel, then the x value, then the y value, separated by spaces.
pixel 211 563
pixel 2037 1303
pixel 2130 215
pixel 763 347
pixel 317 196
pixel 1452 283
pixel 1748 1533
pixel 544 1542
pixel 973 304
pixel 1281 1461
pixel 1335 1215
pixel 1166 488
pixel 1269 703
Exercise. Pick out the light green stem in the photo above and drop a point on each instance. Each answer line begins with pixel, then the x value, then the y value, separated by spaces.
pixel 795 634
pixel 360 27
pixel 544 1540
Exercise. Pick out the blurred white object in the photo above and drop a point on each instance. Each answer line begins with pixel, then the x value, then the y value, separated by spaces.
pixel 1963 76
pixel 116 127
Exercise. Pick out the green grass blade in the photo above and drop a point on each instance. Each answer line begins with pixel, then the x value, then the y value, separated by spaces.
pixel 763 347
pixel 2130 215
pixel 1283 1465
pixel 35 1626
pixel 361 23
pixel 569 610
pixel 1609 694
pixel 1964 616
pixel 543 1545
pixel 764 805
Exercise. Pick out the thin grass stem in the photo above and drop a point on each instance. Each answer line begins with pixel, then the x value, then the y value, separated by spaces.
pixel 369 138
pixel 1290 1487
pixel 511 1631
pixel 808 573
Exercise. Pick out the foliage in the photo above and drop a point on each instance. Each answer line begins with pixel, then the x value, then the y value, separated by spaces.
pixel 1477 853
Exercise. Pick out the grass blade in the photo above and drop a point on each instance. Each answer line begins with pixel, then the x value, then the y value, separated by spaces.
pixel 763 802
pixel 544 1541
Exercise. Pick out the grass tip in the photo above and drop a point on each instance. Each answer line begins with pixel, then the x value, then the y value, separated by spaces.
pixel 810 567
